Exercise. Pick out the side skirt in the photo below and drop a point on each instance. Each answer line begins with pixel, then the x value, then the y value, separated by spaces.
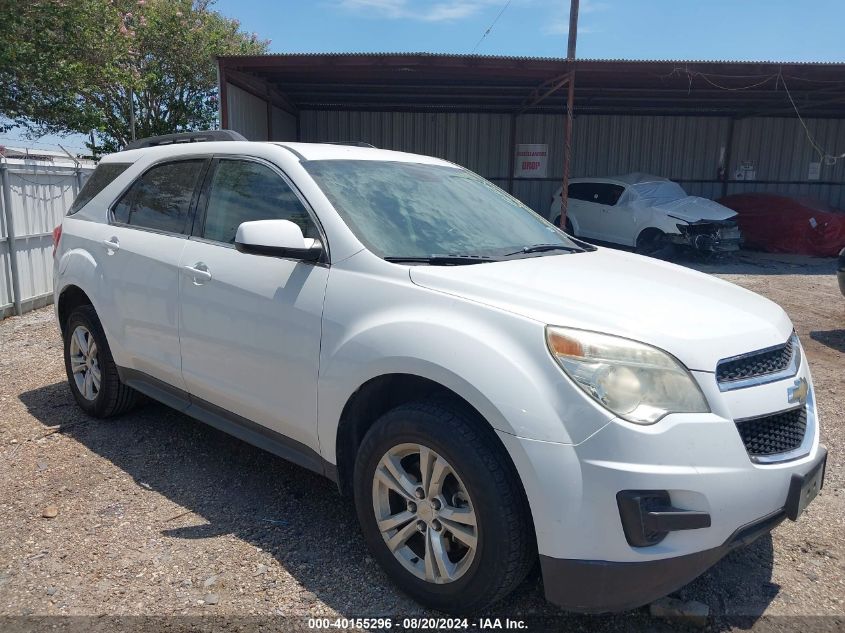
pixel 228 422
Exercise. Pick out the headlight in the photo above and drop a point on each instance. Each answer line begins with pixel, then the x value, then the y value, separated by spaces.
pixel 637 382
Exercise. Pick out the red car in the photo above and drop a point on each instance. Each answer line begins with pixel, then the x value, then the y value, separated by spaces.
pixel 785 224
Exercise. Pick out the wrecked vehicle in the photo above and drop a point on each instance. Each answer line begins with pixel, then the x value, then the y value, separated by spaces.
pixel 646 212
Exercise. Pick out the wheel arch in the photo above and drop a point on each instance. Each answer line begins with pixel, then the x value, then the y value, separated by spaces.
pixel 70 298
pixel 648 230
pixel 382 393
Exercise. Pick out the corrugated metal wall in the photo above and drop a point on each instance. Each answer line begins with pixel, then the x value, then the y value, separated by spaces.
pixel 687 149
pixel 283 126
pixel 247 113
pixel 782 152
pixel 40 196
pixel 476 141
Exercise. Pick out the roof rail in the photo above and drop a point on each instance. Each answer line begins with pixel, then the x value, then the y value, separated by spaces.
pixel 199 136
pixel 351 143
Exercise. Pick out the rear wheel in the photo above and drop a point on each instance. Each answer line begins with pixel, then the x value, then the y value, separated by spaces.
pixel 91 371
pixel 441 507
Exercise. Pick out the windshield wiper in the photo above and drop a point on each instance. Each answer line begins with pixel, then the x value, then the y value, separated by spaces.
pixel 541 248
pixel 443 260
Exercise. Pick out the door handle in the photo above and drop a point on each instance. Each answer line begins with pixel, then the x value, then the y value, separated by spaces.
pixel 113 244
pixel 199 271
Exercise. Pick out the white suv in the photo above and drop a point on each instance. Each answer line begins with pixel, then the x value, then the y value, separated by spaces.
pixel 486 388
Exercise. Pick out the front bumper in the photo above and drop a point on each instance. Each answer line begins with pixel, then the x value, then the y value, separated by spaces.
pixel 595 586
pixel 709 236
pixel 701 464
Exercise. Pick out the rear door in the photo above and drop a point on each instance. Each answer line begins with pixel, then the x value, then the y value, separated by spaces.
pixel 251 324
pixel 614 222
pixel 149 226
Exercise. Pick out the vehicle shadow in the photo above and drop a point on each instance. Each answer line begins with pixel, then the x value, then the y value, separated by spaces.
pixel 300 519
pixel 834 339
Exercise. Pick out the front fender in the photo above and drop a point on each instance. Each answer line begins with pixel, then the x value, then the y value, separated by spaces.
pixel 495 360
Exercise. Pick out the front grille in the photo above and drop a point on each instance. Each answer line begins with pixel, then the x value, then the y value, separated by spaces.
pixel 773 434
pixel 756 364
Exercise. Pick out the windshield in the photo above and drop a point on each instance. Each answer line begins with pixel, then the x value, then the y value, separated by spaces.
pixel 659 191
pixel 403 210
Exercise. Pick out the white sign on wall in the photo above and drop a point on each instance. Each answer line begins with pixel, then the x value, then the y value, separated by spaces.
pixel 746 171
pixel 532 160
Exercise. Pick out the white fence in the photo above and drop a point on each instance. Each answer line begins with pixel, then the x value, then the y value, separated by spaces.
pixel 36 195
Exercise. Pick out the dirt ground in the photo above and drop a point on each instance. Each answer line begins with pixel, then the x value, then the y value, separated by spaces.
pixel 158 514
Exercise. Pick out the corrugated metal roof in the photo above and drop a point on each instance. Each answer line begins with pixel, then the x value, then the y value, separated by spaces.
pixel 483 83
pixel 615 60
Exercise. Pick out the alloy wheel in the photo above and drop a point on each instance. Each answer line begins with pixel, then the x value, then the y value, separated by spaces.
pixel 84 362
pixel 424 513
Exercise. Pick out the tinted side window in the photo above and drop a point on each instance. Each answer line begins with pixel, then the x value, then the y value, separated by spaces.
pixel 582 191
pixel 242 191
pixel 161 198
pixel 608 193
pixel 102 177
pixel 597 192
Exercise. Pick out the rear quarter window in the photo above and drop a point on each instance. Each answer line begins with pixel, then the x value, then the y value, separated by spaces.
pixel 103 176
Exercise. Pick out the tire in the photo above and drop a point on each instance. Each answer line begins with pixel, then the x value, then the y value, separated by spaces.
pixel 567 227
pixel 651 242
pixel 481 483
pixel 108 397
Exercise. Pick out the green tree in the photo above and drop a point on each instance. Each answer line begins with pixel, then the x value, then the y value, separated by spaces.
pixel 71 66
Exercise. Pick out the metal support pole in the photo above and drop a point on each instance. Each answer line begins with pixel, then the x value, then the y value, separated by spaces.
pixel 269 115
pixel 132 113
pixel 224 97
pixel 77 170
pixel 570 105
pixel 10 237
pixel 726 173
pixel 512 146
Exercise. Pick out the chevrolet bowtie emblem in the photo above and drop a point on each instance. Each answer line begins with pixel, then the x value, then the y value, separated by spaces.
pixel 797 394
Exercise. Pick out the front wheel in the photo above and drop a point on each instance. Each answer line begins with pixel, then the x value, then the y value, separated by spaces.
pixel 568 228
pixel 441 507
pixel 651 242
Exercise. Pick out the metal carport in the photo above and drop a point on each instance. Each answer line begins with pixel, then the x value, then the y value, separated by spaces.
pixel 693 121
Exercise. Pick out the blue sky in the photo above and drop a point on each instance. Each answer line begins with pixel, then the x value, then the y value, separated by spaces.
pixel 781 30
pixel 784 30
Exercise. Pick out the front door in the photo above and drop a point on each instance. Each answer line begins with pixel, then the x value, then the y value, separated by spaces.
pixel 583 209
pixel 250 325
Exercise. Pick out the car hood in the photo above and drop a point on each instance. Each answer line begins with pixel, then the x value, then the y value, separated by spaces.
pixel 693 209
pixel 698 318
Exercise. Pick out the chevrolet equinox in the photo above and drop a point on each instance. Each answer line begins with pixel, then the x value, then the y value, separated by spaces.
pixel 488 390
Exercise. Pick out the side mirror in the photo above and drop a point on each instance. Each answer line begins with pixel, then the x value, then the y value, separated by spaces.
pixel 276 238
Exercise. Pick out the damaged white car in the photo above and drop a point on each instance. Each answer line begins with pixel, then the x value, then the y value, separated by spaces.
pixel 648 213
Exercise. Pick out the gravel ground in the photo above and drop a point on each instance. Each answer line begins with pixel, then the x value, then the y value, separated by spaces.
pixel 157 514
